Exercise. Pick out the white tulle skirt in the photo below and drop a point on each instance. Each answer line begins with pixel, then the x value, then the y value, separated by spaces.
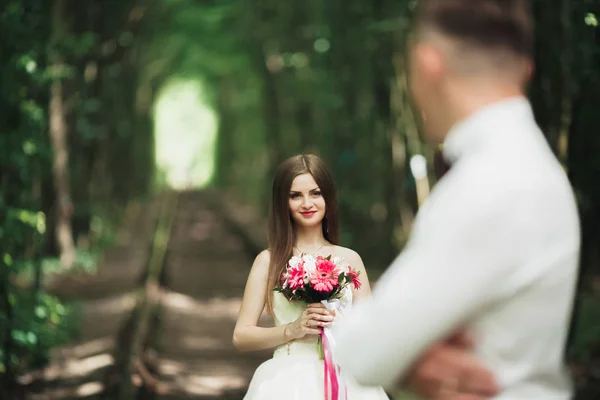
pixel 296 373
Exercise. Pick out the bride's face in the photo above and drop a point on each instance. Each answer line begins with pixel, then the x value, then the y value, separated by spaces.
pixel 307 205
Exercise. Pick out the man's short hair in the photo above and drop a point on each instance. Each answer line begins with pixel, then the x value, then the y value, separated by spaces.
pixel 487 24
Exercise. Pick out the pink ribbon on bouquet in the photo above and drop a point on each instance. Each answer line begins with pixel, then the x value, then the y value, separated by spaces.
pixel 330 370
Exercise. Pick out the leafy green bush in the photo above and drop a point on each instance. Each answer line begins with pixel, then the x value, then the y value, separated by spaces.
pixel 586 337
pixel 40 322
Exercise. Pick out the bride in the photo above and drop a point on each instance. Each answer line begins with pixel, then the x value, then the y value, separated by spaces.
pixel 303 219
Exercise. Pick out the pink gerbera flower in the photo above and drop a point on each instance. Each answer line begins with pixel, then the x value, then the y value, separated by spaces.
pixel 325 277
pixel 353 275
pixel 295 276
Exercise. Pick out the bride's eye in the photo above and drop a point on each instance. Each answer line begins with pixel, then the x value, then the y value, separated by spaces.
pixel 294 195
pixel 317 193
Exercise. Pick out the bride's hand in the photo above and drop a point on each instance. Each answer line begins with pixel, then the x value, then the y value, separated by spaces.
pixel 315 317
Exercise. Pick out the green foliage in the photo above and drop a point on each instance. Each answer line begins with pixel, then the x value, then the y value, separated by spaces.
pixel 586 343
pixel 30 322
pixel 319 77
pixel 41 322
pixel 290 78
pixel 91 59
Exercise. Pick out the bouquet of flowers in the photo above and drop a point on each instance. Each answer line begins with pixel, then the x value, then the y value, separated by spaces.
pixel 320 280
pixel 314 280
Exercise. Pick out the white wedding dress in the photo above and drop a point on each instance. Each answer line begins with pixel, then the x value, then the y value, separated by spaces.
pixel 295 372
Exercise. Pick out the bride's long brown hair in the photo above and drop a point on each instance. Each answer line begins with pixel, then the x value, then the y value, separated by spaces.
pixel 282 229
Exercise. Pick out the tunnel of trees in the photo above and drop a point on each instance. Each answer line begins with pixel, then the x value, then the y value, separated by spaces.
pixel 80 80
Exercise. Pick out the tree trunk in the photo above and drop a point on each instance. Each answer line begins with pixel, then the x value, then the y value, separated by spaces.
pixel 271 110
pixel 405 143
pixel 59 143
pixel 227 129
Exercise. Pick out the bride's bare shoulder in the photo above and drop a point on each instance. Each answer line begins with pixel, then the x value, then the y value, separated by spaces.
pixel 259 271
pixel 349 254
pixel 263 258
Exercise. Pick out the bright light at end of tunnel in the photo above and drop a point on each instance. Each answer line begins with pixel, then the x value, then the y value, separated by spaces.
pixel 185 128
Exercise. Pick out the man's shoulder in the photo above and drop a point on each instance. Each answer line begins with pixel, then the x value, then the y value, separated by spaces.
pixel 506 177
pixel 473 182
pixel 534 188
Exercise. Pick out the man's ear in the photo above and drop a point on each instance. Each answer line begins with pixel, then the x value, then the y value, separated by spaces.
pixel 530 70
pixel 429 61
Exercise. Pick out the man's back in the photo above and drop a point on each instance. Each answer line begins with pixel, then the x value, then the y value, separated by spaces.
pixel 502 164
pixel 494 249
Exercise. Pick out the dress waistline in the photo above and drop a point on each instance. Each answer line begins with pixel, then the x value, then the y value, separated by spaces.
pixel 309 348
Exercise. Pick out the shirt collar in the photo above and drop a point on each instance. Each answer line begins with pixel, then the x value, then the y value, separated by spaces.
pixel 469 133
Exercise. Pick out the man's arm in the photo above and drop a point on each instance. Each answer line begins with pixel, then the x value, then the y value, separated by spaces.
pixel 448 273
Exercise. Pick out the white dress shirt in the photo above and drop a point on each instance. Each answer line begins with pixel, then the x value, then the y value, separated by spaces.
pixel 494 249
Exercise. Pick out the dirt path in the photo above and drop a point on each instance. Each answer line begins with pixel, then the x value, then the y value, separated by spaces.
pixel 188 351
pixel 205 272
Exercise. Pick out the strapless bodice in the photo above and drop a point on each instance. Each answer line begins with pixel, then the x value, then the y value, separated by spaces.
pixel 286 311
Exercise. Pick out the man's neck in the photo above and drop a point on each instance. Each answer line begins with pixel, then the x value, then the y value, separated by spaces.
pixel 467 99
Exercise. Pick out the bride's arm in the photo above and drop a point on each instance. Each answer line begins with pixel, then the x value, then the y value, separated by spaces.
pixel 248 336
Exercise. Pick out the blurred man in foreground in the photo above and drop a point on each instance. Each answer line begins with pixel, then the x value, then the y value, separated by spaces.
pixel 495 247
